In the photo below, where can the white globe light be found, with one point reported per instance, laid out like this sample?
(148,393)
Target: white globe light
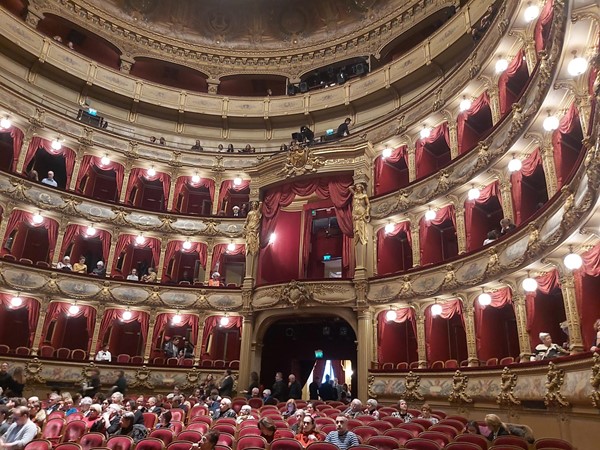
(573,261)
(501,65)
(387,152)
(105,161)
(37,218)
(16,301)
(473,194)
(272,238)
(425,132)
(176,319)
(73,309)
(90,231)
(464,104)
(531,13)
(529,284)
(127,315)
(436,309)
(391,315)
(484,299)
(514,165)
(56,145)
(224,321)
(5,123)
(139,239)
(577,66)
(230,247)
(187,245)
(237,181)
(430,215)
(389,228)
(151,172)
(551,123)
(196,178)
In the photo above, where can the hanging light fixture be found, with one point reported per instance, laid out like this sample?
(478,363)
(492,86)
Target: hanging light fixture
(531,12)
(473,193)
(16,301)
(391,315)
(5,123)
(430,215)
(529,284)
(140,239)
(425,132)
(151,171)
(90,231)
(224,321)
(37,218)
(551,122)
(436,309)
(230,247)
(573,261)
(484,299)
(73,309)
(464,104)
(105,160)
(187,244)
(176,319)
(237,181)
(196,178)
(56,145)
(515,164)
(389,228)
(577,66)
(127,315)
(501,65)
(386,153)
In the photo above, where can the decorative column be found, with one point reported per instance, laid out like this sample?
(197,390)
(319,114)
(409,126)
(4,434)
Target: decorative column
(530,54)
(215,201)
(210,245)
(99,316)
(365,346)
(584,106)
(421,347)
(110,258)
(37,340)
(452,128)
(33,16)
(245,349)
(5,215)
(521,317)
(23,152)
(126,174)
(547,154)
(468,310)
(171,199)
(198,348)
(416,242)
(567,286)
(62,225)
(507,200)
(148,346)
(494,95)
(213,85)
(161,259)
(461,230)
(412,162)
(126,63)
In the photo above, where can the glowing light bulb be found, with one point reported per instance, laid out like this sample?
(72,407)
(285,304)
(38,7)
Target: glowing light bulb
(573,261)
(56,145)
(389,228)
(16,301)
(5,123)
(151,172)
(127,315)
(387,152)
(425,132)
(139,239)
(529,284)
(436,309)
(391,315)
(91,231)
(37,218)
(577,66)
(464,104)
(105,161)
(73,309)
(237,181)
(514,165)
(196,178)
(187,245)
(484,299)
(501,65)
(531,13)
(230,247)
(551,123)
(473,194)
(224,321)
(430,215)
(176,319)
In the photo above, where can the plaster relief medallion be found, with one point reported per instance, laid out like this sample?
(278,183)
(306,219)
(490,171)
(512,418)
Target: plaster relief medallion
(382,293)
(582,189)
(143,219)
(47,198)
(225,301)
(5,185)
(293,21)
(78,288)
(22,279)
(187,225)
(266,299)
(464,169)
(96,211)
(425,190)
(129,294)
(178,298)
(218,21)
(514,251)
(430,283)
(552,224)
(472,271)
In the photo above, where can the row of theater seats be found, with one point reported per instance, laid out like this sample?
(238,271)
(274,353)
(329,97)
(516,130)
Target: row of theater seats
(449,364)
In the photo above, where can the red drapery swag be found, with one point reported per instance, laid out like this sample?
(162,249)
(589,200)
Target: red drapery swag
(590,268)
(204,182)
(529,166)
(438,132)
(176,246)
(18,216)
(112,314)
(397,154)
(125,240)
(162,320)
(90,160)
(402,315)
(546,283)
(481,101)
(220,249)
(17,137)
(449,309)
(38,142)
(33,312)
(443,214)
(137,174)
(57,308)
(500,298)
(228,185)
(398,228)
(491,190)
(544,19)
(514,66)
(213,322)
(73,231)
(566,125)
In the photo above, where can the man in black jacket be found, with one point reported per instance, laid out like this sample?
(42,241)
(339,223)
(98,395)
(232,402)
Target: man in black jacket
(294,388)
(226,387)
(279,389)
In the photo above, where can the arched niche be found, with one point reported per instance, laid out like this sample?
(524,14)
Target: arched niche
(169,74)
(254,85)
(397,339)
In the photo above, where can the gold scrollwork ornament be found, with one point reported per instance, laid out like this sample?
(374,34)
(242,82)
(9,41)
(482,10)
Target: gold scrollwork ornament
(554,381)
(459,389)
(33,371)
(300,161)
(142,378)
(296,293)
(506,397)
(595,382)
(412,385)
(192,379)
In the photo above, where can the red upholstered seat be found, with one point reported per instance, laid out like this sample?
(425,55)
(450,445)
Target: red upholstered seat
(187,362)
(424,422)
(414,428)
(150,420)
(39,444)
(4,349)
(256,402)
(164,434)
(158,361)
(492,362)
(235,364)
(201,427)
(46,351)
(507,361)
(284,433)
(395,421)
(402,366)
(63,353)
(365,419)
(74,416)
(353,423)
(422,444)
(286,444)
(451,364)
(511,440)
(448,430)
(123,358)
(176,426)
(321,446)
(120,443)
(78,354)
(206,363)
(437,365)
(172,361)
(400,435)
(180,445)
(9,257)
(365,432)
(248,423)
(328,428)
(364,447)
(441,414)
(383,442)
(92,440)
(463,446)
(137,359)
(381,425)
(56,415)
(476,439)
(248,431)
(388,366)
(226,421)
(74,429)
(201,418)
(504,447)
(440,438)
(552,443)
(224,428)
(177,415)
(457,425)
(219,363)
(53,430)
(225,439)
(68,446)
(23,351)
(150,443)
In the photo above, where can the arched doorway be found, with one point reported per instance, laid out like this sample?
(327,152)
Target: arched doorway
(290,344)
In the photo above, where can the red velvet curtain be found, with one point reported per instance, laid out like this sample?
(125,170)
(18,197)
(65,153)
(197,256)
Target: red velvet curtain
(449,309)
(220,249)
(17,137)
(466,141)
(491,190)
(18,216)
(33,312)
(177,246)
(89,160)
(162,320)
(228,185)
(402,315)
(587,303)
(514,66)
(213,322)
(543,20)
(112,314)
(428,248)
(38,142)
(57,308)
(384,256)
(566,126)
(125,240)
(138,173)
(529,166)
(546,283)
(397,154)
(500,298)
(425,165)
(204,182)
(73,231)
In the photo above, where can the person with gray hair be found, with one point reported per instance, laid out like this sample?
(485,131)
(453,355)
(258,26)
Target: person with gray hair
(372,408)
(547,349)
(224,410)
(355,409)
(244,414)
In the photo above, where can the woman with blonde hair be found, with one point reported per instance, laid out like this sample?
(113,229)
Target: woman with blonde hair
(596,341)
(496,426)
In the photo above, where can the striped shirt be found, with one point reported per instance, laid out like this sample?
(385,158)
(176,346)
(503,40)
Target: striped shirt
(342,441)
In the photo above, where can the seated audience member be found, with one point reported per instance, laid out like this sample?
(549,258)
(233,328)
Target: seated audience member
(92,387)
(133,276)
(99,270)
(220,148)
(152,407)
(244,210)
(65,264)
(128,427)
(162,141)
(224,410)
(343,128)
(236,211)
(68,406)
(197,145)
(596,339)
(307,433)
(355,409)
(371,409)
(131,406)
(283,148)
(150,277)
(311,411)
(547,349)
(84,405)
(171,347)
(18,382)
(299,415)
(215,279)
(267,429)
(80,266)
(93,416)
(403,412)
(4,424)
(491,237)
(307,134)
(53,403)
(268,399)
(153,139)
(21,432)
(104,354)
(37,413)
(506,226)
(472,427)
(208,441)
(426,414)
(49,180)
(164,420)
(496,426)
(244,414)
(341,437)
(230,148)
(33,175)
(290,408)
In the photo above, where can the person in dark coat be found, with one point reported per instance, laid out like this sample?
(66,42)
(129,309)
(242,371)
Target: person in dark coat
(327,391)
(279,389)
(226,387)
(294,388)
(313,389)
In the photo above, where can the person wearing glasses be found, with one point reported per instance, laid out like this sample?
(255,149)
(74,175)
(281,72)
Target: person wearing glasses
(307,432)
(341,437)
(208,441)
(21,432)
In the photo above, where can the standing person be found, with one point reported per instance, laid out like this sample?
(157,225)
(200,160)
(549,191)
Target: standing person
(92,387)
(294,388)
(313,389)
(341,437)
(120,383)
(226,386)
(253,384)
(279,389)
(326,390)
(5,378)
(104,354)
(596,340)
(343,128)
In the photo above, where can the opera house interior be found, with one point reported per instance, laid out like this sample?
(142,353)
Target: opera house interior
(400,194)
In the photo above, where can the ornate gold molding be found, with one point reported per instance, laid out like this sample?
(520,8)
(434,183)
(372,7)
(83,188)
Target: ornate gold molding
(506,397)
(459,389)
(554,382)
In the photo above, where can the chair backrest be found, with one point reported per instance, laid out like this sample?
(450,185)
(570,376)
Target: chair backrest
(286,444)
(150,443)
(137,359)
(507,361)
(123,358)
(424,422)
(63,353)
(448,430)
(164,434)
(492,362)
(319,445)
(224,428)
(394,421)
(552,443)
(511,440)
(176,426)
(504,447)
(248,431)
(383,442)
(56,415)
(451,364)
(235,364)
(53,428)
(381,425)
(39,444)
(4,349)
(78,354)
(24,351)
(402,365)
(47,351)
(92,440)
(201,427)
(226,421)
(180,445)
(198,410)
(74,430)
(365,419)
(206,363)
(438,412)
(414,428)
(399,435)
(172,361)
(463,446)
(177,415)
(225,439)
(150,420)
(388,366)
(436,436)
(457,422)
(437,365)
(422,444)
(120,443)
(365,432)
(476,439)
(284,433)
(68,446)
(74,416)
(201,418)
(328,428)
(219,363)
(187,362)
